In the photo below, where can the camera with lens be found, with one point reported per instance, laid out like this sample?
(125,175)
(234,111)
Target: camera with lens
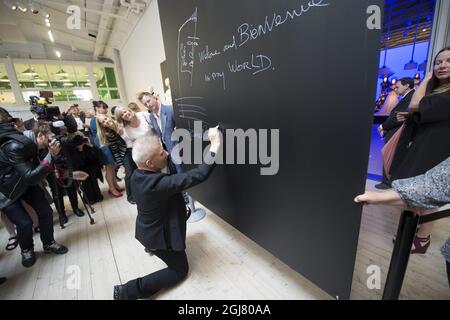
(41,108)
(70,141)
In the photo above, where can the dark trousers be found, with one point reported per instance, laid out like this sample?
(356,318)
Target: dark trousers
(91,188)
(177,269)
(17,214)
(58,194)
(448,272)
(130,166)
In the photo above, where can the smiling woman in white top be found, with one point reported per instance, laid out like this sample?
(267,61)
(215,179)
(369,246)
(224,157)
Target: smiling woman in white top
(134,126)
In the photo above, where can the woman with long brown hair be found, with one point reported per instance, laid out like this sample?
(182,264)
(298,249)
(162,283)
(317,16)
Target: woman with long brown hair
(428,140)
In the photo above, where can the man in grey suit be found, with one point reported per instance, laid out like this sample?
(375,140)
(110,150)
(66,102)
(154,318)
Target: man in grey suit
(161,219)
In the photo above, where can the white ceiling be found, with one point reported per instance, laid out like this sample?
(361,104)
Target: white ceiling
(25,35)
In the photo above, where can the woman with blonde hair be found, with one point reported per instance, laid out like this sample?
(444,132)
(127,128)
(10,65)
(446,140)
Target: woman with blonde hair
(108,133)
(135,125)
(101,108)
(134,107)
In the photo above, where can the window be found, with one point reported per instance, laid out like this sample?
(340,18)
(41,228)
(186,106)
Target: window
(6,95)
(106,83)
(68,82)
(82,76)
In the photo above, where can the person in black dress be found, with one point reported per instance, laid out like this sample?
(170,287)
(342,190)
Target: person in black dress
(425,141)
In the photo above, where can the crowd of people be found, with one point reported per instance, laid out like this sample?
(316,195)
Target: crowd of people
(53,150)
(43,158)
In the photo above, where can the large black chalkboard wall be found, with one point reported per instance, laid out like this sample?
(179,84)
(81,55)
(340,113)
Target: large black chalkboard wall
(308,69)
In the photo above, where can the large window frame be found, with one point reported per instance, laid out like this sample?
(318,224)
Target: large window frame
(80,90)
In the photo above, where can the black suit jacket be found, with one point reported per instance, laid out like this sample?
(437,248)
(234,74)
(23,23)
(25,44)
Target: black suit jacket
(391,125)
(161,219)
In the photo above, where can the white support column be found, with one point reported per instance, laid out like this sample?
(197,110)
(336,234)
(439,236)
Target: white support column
(440,36)
(9,65)
(93,81)
(119,77)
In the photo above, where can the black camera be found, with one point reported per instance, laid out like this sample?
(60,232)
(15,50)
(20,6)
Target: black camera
(70,141)
(43,111)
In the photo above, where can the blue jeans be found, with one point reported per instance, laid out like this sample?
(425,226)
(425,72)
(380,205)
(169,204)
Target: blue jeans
(17,214)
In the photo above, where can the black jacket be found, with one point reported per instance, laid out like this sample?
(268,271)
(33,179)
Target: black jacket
(391,125)
(161,219)
(19,164)
(428,142)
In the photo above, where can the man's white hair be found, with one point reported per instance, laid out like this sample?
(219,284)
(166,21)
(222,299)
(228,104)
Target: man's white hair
(144,149)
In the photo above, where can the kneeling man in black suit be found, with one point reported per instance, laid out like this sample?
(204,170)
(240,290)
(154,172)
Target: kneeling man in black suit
(161,219)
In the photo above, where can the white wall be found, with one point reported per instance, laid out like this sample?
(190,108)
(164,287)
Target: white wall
(142,55)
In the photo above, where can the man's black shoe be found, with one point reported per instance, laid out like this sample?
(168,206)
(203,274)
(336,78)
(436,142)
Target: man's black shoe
(28,258)
(118,293)
(382,186)
(63,219)
(3,280)
(188,213)
(78,212)
(55,248)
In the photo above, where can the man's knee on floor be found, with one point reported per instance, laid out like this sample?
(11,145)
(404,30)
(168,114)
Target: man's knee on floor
(183,271)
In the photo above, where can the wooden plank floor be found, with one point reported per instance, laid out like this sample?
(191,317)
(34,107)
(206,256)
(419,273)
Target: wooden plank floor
(224,264)
(426,276)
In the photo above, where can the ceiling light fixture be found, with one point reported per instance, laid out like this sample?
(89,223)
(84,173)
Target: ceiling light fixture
(34,7)
(29,72)
(61,73)
(10,5)
(50,35)
(58,54)
(48,24)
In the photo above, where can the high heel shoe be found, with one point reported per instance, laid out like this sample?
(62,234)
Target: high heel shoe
(114,195)
(419,247)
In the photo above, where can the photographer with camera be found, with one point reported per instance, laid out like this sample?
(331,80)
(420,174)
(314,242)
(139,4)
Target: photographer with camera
(21,173)
(61,179)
